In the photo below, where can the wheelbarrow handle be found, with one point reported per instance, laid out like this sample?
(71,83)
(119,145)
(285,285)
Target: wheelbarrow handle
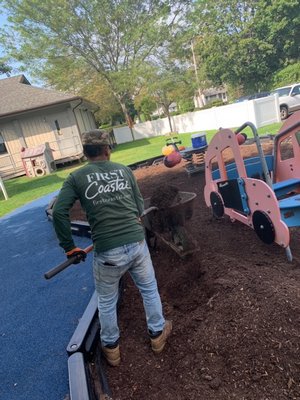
(148,210)
(54,271)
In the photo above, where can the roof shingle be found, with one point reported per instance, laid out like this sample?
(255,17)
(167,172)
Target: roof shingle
(17,95)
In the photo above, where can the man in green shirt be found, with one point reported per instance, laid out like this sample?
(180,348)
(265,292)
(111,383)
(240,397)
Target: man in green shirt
(109,194)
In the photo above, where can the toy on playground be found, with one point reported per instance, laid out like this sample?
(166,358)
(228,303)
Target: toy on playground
(172,159)
(262,192)
(241,138)
(167,150)
(171,151)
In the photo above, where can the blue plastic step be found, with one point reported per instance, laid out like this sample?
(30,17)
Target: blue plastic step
(285,187)
(290,202)
(290,210)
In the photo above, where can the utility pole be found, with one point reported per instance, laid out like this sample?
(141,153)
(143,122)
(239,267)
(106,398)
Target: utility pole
(199,97)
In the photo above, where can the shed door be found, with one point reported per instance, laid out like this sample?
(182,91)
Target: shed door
(68,141)
(10,156)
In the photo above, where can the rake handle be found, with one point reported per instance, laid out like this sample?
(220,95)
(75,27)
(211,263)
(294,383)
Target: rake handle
(56,270)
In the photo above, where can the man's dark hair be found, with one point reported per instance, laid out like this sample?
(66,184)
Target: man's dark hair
(93,150)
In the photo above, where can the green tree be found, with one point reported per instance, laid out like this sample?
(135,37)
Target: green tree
(244,43)
(4,68)
(278,22)
(113,38)
(169,85)
(77,77)
(287,75)
(145,105)
(186,105)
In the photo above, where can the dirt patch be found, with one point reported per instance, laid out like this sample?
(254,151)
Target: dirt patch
(235,307)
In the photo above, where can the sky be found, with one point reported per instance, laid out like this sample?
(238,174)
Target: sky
(3,20)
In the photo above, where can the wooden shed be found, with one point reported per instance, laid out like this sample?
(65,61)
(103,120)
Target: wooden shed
(31,116)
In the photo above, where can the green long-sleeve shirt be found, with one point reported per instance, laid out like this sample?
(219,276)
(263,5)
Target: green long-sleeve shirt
(109,194)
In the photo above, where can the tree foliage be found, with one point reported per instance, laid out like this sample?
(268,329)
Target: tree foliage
(71,76)
(113,38)
(244,43)
(117,51)
(4,68)
(287,75)
(169,85)
(145,105)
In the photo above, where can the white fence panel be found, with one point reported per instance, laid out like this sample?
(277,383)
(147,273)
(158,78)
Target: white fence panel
(234,115)
(260,112)
(264,110)
(151,128)
(122,134)
(193,121)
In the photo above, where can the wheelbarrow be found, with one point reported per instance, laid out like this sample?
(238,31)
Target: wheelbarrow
(169,223)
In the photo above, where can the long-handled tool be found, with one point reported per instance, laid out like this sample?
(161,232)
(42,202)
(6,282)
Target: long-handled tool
(54,271)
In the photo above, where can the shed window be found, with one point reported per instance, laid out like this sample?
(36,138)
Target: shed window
(57,127)
(3,149)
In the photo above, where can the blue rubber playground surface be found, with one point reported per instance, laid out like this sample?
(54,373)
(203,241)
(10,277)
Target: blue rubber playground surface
(38,316)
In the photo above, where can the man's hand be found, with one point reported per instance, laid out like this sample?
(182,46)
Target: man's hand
(78,253)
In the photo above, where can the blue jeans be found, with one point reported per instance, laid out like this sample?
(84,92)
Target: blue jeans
(109,266)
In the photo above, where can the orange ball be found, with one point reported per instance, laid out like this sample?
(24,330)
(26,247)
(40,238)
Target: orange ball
(166,150)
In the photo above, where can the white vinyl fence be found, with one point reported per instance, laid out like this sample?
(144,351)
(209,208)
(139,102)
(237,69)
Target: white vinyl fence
(260,112)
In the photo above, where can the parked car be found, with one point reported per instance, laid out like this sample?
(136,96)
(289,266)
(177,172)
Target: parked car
(252,96)
(289,99)
(241,99)
(258,95)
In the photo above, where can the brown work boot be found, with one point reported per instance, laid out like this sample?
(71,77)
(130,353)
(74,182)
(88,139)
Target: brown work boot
(112,355)
(159,342)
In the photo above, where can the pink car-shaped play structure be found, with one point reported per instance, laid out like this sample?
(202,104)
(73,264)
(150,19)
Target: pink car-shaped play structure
(262,192)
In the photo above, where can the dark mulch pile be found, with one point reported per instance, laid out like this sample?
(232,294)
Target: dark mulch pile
(163,196)
(235,308)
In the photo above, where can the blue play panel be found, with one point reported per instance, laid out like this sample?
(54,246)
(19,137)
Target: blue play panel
(38,316)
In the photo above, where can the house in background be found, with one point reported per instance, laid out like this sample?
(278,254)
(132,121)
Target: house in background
(209,95)
(160,111)
(32,116)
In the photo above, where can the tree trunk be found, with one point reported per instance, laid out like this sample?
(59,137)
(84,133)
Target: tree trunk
(170,122)
(167,112)
(199,91)
(128,118)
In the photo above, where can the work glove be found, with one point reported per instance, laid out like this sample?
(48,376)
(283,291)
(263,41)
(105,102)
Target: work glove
(78,253)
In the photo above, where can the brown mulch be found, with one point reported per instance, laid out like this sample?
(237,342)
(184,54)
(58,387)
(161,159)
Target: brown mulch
(163,196)
(235,307)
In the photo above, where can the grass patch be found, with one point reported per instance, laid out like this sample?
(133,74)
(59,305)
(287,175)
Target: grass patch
(22,190)
(151,147)
(265,130)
